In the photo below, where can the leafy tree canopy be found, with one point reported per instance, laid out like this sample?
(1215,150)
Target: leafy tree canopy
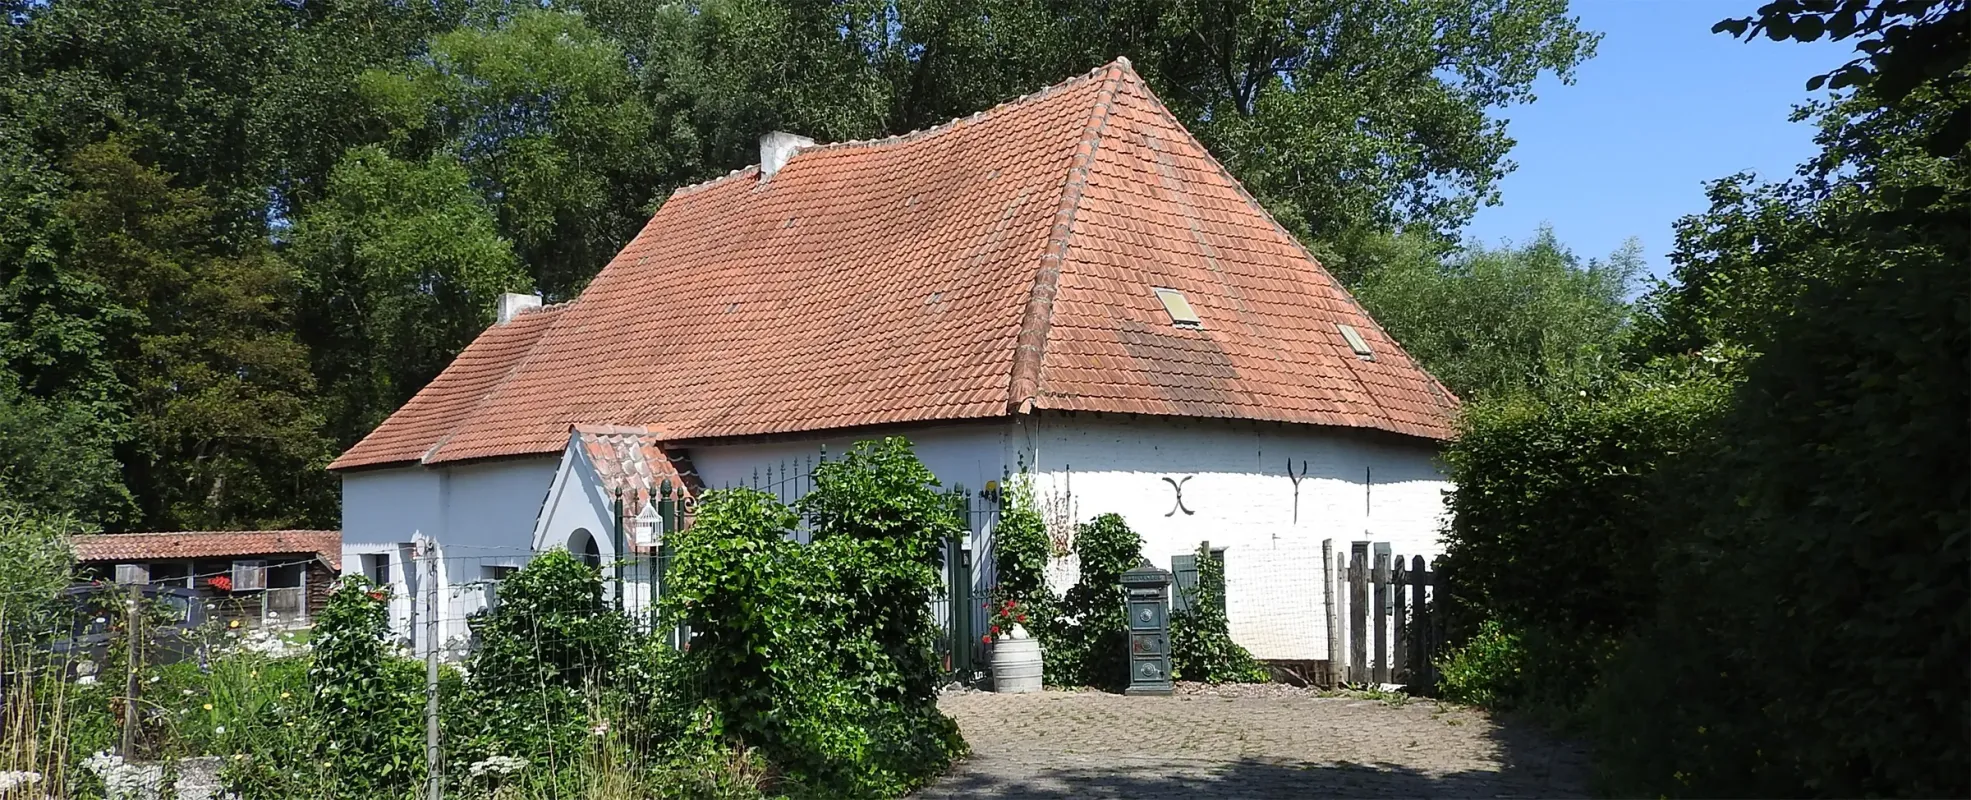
(1495,321)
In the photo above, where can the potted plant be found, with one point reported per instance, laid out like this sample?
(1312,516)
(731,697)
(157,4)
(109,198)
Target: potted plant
(1016,655)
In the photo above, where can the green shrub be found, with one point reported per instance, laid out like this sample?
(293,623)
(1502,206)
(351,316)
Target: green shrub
(368,704)
(1091,646)
(1020,552)
(1557,515)
(1811,634)
(36,563)
(1201,646)
(819,656)
(544,656)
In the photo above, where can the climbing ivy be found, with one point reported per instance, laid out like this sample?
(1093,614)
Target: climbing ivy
(1201,646)
(1091,646)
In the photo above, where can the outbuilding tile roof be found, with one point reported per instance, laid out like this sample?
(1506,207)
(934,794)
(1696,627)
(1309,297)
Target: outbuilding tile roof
(128,547)
(629,459)
(996,265)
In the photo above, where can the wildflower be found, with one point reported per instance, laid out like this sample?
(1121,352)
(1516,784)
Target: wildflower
(285,695)
(208,706)
(221,730)
(986,639)
(601,728)
(187,692)
(233,624)
(17,779)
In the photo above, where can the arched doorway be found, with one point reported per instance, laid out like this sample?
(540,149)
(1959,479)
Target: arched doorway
(583,545)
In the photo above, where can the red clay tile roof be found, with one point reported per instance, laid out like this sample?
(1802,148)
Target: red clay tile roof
(634,462)
(632,459)
(998,264)
(209,544)
(438,409)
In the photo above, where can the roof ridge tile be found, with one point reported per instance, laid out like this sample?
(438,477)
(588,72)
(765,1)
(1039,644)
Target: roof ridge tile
(1036,323)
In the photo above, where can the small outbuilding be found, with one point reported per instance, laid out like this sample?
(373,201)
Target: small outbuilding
(276,578)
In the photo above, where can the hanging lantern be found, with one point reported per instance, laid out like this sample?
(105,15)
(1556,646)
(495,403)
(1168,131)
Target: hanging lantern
(648,526)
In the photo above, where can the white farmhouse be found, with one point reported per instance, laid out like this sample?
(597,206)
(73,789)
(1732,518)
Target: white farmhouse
(1067,284)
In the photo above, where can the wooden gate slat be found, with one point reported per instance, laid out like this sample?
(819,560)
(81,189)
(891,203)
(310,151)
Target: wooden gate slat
(1399,661)
(1380,669)
(1358,613)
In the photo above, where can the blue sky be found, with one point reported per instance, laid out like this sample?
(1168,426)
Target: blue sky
(1665,106)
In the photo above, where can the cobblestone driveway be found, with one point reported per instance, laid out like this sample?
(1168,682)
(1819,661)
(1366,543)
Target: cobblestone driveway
(1290,745)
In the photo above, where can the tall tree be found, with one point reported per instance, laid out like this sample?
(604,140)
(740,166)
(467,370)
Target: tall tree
(403,264)
(1494,321)
(1344,118)
(544,114)
(220,430)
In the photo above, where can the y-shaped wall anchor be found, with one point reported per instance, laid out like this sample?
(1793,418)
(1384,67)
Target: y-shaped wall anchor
(1296,486)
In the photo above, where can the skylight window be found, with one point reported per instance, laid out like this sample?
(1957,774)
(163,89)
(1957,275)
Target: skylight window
(1179,309)
(1355,342)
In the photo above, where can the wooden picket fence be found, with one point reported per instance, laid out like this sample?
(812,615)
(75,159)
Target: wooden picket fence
(1381,625)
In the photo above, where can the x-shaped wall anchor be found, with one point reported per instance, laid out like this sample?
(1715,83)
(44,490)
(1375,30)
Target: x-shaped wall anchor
(1178,486)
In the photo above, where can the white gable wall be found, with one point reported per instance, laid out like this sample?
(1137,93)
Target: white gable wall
(1236,484)
(477,515)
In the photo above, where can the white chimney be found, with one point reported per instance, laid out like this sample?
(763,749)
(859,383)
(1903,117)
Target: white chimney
(776,148)
(512,304)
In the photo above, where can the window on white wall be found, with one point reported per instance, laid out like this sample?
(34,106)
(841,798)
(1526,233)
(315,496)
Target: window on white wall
(376,567)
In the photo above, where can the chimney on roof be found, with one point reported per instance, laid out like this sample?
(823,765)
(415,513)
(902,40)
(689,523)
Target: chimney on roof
(776,148)
(512,304)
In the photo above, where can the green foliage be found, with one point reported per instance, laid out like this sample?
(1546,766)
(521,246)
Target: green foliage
(821,655)
(1555,512)
(1492,322)
(542,656)
(544,112)
(404,266)
(55,459)
(881,523)
(1090,647)
(1506,666)
(1812,522)
(36,563)
(1201,646)
(369,704)
(1021,550)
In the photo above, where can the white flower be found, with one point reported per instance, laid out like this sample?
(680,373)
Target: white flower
(17,779)
(497,765)
(86,680)
(601,728)
(221,730)
(186,692)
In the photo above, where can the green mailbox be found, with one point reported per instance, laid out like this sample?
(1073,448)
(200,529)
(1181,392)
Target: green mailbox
(1148,589)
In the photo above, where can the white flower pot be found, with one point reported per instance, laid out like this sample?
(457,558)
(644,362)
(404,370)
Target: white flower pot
(1016,666)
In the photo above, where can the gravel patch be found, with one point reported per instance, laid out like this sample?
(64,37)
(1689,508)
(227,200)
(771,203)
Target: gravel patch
(1246,741)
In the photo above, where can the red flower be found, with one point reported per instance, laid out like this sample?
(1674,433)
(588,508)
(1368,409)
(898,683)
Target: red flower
(1022,618)
(222,583)
(986,639)
(995,630)
(377,596)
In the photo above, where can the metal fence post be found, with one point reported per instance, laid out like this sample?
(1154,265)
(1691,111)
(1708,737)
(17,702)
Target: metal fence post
(436,784)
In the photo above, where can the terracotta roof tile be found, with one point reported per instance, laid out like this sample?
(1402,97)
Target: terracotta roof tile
(1001,262)
(438,409)
(209,544)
